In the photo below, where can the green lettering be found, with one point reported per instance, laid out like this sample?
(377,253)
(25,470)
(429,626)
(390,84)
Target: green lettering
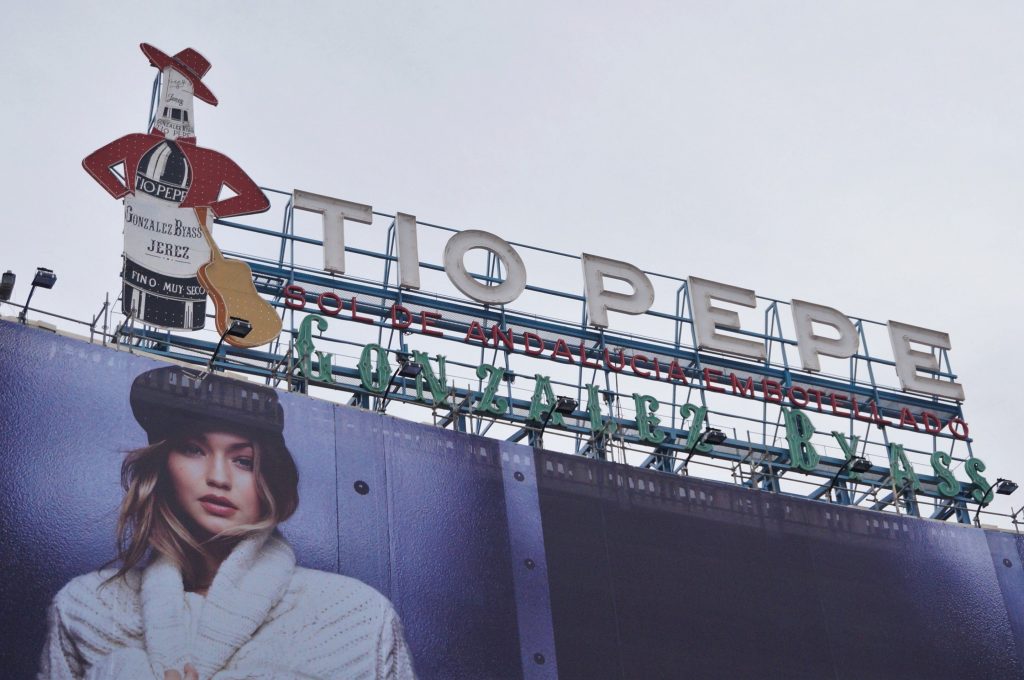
(799,429)
(598,426)
(849,451)
(699,413)
(646,422)
(379,380)
(948,486)
(488,403)
(538,408)
(437,384)
(983,492)
(901,469)
(304,351)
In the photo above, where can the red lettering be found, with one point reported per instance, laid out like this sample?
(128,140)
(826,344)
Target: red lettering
(875,415)
(833,399)
(425,324)
(817,394)
(406,322)
(953,430)
(609,364)
(791,393)
(324,309)
(294,296)
(856,410)
(709,383)
(657,369)
(476,332)
(355,311)
(507,338)
(931,422)
(907,418)
(586,363)
(632,364)
(561,349)
(676,372)
(742,388)
(772,391)
(532,351)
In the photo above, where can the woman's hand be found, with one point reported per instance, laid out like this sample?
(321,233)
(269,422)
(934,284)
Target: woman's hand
(190,673)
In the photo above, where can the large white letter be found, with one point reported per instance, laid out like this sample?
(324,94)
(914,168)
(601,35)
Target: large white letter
(810,344)
(707,318)
(599,300)
(910,361)
(455,267)
(334,211)
(408,251)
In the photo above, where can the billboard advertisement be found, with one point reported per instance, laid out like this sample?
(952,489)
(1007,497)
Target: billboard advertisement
(288,537)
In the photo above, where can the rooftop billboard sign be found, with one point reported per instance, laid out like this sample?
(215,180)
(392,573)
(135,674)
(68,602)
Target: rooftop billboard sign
(649,357)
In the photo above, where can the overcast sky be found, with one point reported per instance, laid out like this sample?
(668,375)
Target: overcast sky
(862,155)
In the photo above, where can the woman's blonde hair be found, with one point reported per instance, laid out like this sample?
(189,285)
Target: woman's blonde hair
(149,518)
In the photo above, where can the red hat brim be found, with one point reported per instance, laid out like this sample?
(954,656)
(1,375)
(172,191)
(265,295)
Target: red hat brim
(162,60)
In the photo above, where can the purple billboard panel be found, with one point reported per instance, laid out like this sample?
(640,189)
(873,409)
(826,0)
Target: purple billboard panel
(392,506)
(653,575)
(414,549)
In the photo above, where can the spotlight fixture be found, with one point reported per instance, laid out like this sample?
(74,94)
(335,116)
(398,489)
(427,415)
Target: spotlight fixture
(712,436)
(564,406)
(44,278)
(861,465)
(7,285)
(856,464)
(1003,487)
(407,368)
(237,328)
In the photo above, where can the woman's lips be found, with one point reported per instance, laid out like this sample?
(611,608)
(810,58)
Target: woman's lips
(216,505)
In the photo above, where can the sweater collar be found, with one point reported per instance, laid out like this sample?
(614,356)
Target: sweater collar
(248,584)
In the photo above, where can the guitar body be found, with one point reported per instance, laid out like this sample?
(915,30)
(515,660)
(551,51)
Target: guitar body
(229,284)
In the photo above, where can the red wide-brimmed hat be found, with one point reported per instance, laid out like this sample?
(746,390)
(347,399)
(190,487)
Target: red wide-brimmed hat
(189,63)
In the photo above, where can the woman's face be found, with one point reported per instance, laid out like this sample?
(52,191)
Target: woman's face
(213,480)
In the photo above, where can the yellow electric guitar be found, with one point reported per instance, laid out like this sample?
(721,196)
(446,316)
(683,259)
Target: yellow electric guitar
(229,284)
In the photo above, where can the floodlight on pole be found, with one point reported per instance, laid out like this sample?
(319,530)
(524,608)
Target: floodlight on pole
(1003,487)
(562,405)
(44,278)
(712,437)
(237,328)
(407,369)
(856,464)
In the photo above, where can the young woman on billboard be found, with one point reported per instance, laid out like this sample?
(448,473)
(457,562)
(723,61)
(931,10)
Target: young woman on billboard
(206,587)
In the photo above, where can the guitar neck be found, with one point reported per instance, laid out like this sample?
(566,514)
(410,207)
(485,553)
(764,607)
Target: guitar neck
(215,253)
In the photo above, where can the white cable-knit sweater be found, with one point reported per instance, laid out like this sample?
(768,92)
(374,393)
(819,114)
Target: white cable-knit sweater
(262,618)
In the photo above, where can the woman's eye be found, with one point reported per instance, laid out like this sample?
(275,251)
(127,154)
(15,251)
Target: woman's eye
(191,450)
(244,463)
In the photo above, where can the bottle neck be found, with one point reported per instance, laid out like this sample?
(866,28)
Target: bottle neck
(175,117)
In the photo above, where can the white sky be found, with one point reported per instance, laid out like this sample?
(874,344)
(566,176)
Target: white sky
(862,155)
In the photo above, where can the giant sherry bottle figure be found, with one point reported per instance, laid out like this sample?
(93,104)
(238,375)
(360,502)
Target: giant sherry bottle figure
(167,175)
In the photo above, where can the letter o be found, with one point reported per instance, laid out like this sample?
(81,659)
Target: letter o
(329,311)
(958,432)
(455,267)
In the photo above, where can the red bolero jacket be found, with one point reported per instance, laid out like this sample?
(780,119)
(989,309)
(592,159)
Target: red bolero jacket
(211,171)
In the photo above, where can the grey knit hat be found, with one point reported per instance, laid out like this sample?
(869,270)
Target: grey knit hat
(172,400)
